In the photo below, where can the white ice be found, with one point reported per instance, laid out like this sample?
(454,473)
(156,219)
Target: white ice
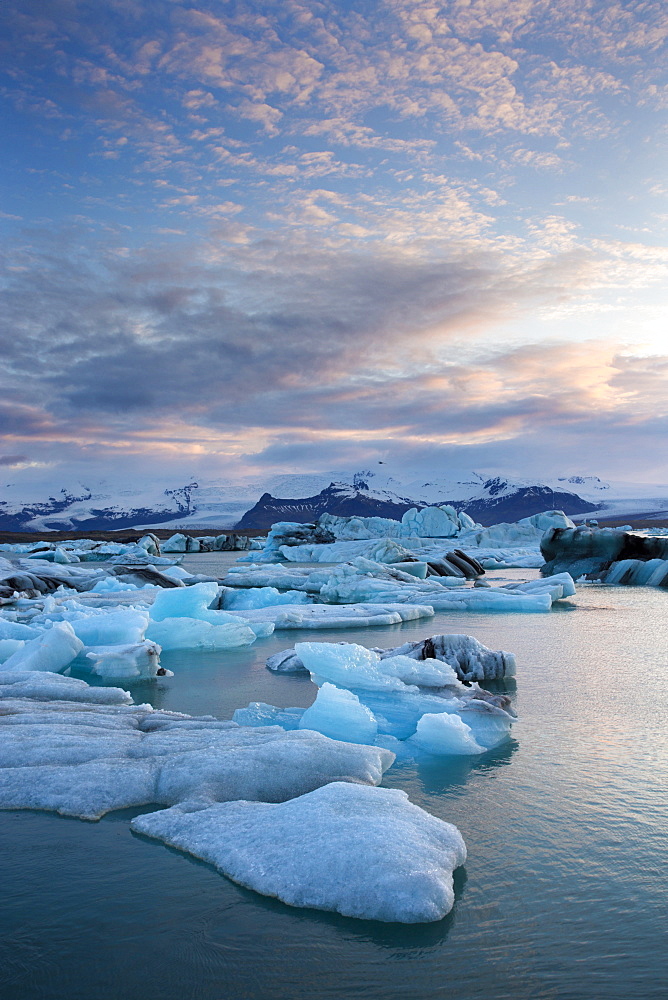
(85,759)
(358,851)
(125,662)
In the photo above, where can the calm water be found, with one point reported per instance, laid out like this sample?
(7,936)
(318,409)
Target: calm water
(563,896)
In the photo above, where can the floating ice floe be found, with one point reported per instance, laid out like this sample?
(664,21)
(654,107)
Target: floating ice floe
(126,662)
(361,852)
(84,751)
(363,581)
(366,696)
(469,658)
(314,616)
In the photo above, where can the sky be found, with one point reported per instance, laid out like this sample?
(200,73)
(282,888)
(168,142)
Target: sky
(249,238)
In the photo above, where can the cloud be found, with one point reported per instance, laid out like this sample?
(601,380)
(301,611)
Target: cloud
(386,226)
(288,344)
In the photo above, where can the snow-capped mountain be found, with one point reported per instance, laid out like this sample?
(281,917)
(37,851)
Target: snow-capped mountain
(488,501)
(213,503)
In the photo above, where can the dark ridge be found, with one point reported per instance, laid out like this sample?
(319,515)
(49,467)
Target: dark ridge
(331,500)
(523,503)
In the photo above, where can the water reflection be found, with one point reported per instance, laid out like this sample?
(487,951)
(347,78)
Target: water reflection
(249,905)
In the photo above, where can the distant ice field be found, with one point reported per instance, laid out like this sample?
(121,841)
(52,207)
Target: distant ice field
(562,896)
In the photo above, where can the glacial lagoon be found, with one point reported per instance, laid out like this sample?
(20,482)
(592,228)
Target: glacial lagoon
(562,897)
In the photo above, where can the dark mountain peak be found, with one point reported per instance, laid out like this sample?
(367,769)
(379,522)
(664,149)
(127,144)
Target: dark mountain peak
(495,486)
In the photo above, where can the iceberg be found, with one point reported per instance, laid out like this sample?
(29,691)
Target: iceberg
(611,555)
(53,651)
(398,690)
(192,633)
(339,714)
(636,572)
(183,619)
(358,851)
(126,662)
(86,758)
(469,659)
(445,734)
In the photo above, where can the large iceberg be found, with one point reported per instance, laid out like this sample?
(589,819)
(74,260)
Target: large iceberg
(392,693)
(364,581)
(591,551)
(362,852)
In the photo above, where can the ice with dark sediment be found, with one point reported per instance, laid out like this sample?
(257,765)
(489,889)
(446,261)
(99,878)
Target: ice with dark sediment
(591,551)
(365,695)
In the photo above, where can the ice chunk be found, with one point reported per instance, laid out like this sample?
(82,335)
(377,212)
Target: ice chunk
(445,734)
(431,522)
(10,646)
(261,597)
(258,713)
(192,633)
(79,768)
(286,662)
(346,665)
(53,650)
(470,659)
(126,626)
(186,602)
(361,852)
(636,572)
(22,685)
(429,673)
(476,727)
(382,550)
(340,715)
(126,662)
(16,630)
(112,585)
(315,616)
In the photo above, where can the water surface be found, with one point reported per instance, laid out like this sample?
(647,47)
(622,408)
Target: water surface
(563,895)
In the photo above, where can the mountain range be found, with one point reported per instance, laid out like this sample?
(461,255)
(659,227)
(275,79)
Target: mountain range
(213,504)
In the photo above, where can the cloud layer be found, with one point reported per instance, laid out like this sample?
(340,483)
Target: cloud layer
(303,235)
